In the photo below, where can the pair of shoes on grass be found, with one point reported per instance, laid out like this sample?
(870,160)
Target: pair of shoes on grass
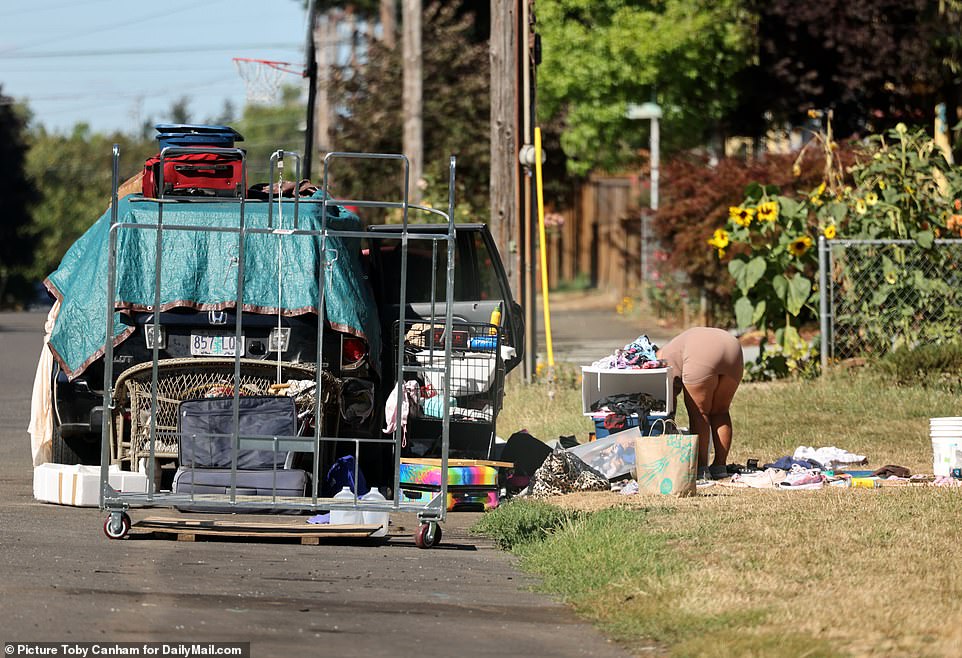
(713,473)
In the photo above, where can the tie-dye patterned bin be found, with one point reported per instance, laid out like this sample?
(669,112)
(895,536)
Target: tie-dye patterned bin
(469,487)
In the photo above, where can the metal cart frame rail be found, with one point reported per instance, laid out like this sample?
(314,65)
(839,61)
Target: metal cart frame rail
(430,515)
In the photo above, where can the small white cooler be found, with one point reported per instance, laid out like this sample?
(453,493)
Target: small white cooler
(79,485)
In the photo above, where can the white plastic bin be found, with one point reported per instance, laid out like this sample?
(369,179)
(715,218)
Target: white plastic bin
(79,485)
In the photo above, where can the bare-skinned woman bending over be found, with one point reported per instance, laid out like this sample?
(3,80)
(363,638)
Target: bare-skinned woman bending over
(707,365)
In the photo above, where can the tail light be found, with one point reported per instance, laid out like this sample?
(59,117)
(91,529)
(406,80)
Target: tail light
(352,350)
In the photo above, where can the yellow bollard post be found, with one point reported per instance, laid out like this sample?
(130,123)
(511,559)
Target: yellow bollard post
(543,247)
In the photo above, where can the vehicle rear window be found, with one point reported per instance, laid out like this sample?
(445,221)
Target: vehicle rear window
(427,262)
(488,287)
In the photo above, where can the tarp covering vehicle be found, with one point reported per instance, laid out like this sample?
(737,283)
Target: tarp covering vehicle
(200,272)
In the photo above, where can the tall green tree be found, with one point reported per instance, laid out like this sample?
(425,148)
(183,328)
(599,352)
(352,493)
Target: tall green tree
(17,194)
(268,128)
(600,55)
(456,112)
(73,175)
(874,62)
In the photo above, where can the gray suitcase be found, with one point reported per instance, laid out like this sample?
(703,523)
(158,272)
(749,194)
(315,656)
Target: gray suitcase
(205,428)
(288,482)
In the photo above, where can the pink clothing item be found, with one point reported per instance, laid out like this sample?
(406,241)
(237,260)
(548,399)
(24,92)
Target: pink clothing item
(412,397)
(700,353)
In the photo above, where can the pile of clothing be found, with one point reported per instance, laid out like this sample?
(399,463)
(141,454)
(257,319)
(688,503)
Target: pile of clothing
(640,353)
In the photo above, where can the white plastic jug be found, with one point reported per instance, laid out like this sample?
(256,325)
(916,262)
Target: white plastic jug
(345,516)
(371,517)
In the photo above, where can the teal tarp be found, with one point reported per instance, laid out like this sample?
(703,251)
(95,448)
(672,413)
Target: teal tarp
(199,270)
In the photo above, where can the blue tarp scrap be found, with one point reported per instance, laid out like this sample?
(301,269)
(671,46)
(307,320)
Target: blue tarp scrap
(199,270)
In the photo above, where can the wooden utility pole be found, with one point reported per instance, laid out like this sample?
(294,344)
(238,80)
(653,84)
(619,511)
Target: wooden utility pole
(325,35)
(413,143)
(388,9)
(311,73)
(504,136)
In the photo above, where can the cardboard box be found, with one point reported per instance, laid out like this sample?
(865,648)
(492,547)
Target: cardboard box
(79,485)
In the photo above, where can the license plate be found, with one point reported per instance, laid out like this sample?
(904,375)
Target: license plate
(208,345)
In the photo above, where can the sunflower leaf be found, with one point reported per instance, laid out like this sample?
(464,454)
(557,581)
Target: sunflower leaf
(780,285)
(746,275)
(789,207)
(837,211)
(743,312)
(799,288)
(789,338)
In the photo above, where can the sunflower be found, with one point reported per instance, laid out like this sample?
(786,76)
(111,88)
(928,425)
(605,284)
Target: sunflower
(799,246)
(768,211)
(860,207)
(816,197)
(741,216)
(871,199)
(719,241)
(830,232)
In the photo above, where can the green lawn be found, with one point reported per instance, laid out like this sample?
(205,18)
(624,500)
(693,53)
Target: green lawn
(732,572)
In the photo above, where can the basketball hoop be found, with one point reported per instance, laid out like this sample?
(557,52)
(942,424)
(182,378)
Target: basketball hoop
(262,77)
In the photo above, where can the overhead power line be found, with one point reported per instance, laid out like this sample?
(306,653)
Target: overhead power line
(148,51)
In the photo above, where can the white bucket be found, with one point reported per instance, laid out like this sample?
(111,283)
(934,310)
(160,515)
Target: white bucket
(945,454)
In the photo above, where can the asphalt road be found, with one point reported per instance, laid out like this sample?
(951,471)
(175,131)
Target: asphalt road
(585,328)
(62,580)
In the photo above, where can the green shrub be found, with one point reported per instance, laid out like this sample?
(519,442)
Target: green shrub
(521,522)
(925,365)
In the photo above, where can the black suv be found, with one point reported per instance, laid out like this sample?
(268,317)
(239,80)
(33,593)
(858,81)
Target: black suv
(480,286)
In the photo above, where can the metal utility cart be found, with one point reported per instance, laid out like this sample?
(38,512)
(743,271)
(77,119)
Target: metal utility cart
(142,405)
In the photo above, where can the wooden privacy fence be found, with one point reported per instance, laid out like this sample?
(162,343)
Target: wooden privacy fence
(600,236)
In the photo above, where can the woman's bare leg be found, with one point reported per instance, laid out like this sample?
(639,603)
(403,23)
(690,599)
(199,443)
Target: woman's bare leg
(698,401)
(720,419)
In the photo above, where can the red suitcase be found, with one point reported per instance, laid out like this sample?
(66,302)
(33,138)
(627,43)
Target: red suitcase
(196,174)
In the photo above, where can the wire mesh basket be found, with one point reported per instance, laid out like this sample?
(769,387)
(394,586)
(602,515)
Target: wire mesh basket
(476,385)
(189,379)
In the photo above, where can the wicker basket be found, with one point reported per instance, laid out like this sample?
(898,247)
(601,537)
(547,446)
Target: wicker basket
(190,379)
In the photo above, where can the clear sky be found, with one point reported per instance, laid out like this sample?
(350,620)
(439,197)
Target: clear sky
(116,63)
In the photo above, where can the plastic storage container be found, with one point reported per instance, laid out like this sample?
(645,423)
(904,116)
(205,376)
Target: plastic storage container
(346,516)
(601,431)
(649,427)
(370,517)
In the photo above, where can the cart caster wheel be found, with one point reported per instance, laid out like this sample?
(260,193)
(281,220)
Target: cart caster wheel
(428,535)
(116,526)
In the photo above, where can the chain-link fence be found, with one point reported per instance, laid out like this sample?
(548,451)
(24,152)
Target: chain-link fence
(877,295)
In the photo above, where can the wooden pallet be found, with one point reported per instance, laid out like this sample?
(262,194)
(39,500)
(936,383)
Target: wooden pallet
(306,533)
